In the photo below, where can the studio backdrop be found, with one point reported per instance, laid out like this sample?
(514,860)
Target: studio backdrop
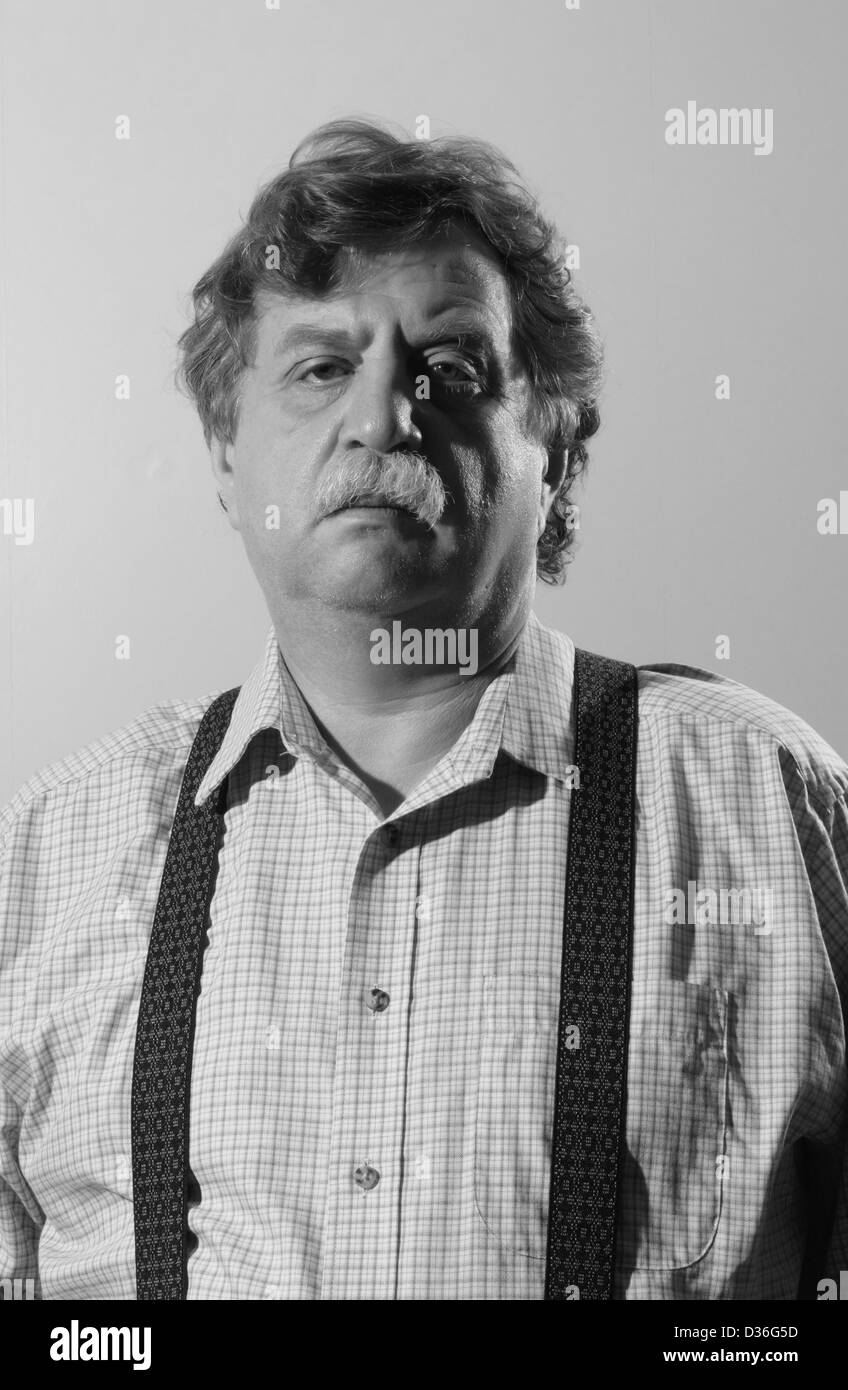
(692,154)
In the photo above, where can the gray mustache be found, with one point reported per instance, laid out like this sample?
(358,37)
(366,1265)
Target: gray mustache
(401,480)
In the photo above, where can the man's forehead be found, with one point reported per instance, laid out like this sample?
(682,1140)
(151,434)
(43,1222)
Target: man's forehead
(435,275)
(458,258)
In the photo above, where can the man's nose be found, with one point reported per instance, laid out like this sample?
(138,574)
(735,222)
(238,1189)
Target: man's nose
(379,407)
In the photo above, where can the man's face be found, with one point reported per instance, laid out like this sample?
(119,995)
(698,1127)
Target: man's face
(336,383)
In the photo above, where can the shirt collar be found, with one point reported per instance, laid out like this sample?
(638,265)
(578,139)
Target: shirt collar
(526,711)
(537,724)
(269,699)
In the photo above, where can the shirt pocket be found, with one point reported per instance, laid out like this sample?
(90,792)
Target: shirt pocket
(672,1174)
(674,1169)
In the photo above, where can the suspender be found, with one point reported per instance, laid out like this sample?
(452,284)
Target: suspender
(588,1124)
(589,1104)
(165,1029)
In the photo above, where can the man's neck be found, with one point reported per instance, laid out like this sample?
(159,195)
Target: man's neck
(390,724)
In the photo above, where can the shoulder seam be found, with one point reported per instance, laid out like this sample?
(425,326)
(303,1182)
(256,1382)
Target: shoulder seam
(106,761)
(830,784)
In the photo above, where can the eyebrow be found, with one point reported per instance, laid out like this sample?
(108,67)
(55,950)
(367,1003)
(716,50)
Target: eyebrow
(459,325)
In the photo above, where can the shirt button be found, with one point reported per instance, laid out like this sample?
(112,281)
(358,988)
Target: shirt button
(390,834)
(366,1177)
(377,1000)
(424,909)
(123,1171)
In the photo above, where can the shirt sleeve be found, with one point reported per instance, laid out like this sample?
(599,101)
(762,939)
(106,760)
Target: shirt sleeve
(20,1216)
(821,820)
(20,1222)
(837,896)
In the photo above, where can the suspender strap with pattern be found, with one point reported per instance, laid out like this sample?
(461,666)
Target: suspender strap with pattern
(165,1029)
(588,1129)
(591,1067)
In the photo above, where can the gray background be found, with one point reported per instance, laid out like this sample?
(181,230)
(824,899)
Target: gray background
(699,516)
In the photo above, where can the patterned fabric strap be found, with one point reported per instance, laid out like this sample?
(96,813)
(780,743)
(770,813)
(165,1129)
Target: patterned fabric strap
(165,1029)
(589,1106)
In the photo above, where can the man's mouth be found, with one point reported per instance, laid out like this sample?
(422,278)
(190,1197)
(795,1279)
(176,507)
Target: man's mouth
(382,503)
(405,514)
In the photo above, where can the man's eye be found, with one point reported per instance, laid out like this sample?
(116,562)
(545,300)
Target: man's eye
(467,383)
(456,377)
(320,367)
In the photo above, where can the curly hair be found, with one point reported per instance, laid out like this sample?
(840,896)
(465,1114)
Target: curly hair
(352,187)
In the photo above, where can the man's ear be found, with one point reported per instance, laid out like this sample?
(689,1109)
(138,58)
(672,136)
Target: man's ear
(552,477)
(222,456)
(555,469)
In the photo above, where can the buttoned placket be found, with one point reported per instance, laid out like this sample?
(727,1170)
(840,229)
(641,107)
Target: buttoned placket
(362,1225)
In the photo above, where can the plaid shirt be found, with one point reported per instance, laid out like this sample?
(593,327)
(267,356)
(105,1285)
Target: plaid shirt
(376,1030)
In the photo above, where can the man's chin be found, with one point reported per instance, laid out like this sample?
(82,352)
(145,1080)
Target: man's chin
(374,579)
(373,596)
(369,564)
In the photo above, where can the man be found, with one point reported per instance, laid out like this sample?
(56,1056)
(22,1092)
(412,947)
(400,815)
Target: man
(396,382)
